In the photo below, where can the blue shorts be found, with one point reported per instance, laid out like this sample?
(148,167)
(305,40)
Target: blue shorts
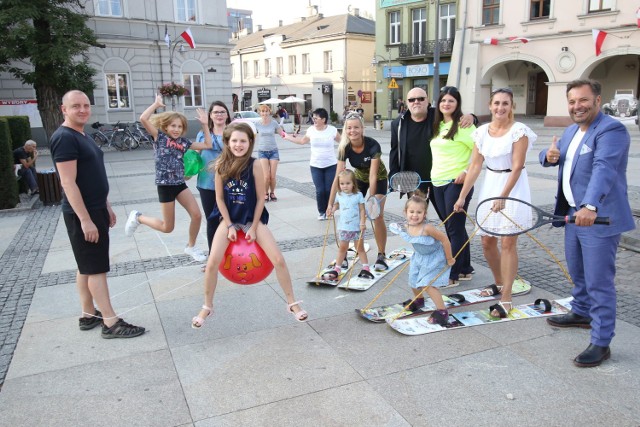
(269,155)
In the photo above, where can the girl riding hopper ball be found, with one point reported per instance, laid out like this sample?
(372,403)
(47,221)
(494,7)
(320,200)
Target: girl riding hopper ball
(245,263)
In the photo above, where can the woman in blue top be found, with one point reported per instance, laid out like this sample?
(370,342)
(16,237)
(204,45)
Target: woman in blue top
(268,155)
(218,120)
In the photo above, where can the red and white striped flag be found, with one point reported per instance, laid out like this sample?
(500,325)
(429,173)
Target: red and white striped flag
(598,39)
(188,37)
(519,39)
(491,40)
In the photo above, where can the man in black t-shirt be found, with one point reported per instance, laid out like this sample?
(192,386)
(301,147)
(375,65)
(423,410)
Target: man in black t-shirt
(87,215)
(26,157)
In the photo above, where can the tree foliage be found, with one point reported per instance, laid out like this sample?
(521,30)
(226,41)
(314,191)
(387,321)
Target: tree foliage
(44,44)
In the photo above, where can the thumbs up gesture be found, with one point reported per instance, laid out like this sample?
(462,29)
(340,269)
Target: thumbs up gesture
(553,153)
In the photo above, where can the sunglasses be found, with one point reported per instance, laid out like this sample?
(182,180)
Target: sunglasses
(448,89)
(417,99)
(353,115)
(218,113)
(503,90)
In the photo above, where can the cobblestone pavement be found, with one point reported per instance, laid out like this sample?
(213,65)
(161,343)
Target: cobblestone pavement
(22,262)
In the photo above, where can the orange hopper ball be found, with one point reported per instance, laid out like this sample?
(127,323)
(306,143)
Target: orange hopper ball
(245,263)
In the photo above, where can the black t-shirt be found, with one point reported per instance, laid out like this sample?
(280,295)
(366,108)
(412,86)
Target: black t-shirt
(20,154)
(68,144)
(418,155)
(361,162)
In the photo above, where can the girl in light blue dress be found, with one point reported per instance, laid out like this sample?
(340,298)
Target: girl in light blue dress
(432,252)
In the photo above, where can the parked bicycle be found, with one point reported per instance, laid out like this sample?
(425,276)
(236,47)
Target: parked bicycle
(109,137)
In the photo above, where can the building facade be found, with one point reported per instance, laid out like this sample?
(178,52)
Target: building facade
(136,59)
(534,47)
(325,61)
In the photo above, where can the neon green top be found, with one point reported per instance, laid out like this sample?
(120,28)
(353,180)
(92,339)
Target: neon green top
(450,157)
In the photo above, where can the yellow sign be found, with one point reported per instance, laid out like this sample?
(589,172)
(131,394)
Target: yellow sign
(393,84)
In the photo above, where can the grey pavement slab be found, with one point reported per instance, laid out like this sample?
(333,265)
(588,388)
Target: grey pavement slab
(253,364)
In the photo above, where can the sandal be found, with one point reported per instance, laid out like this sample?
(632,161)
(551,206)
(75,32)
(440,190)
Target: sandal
(365,274)
(301,316)
(500,310)
(197,322)
(266,197)
(439,317)
(465,277)
(380,264)
(491,290)
(273,197)
(330,275)
(452,283)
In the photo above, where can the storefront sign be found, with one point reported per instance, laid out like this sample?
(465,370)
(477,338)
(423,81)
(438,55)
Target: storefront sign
(366,97)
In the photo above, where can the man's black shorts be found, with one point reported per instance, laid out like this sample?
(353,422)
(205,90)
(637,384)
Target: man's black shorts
(92,258)
(169,193)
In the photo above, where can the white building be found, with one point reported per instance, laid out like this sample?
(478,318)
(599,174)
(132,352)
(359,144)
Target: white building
(323,60)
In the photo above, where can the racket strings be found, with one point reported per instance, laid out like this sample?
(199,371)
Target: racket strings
(405,182)
(506,217)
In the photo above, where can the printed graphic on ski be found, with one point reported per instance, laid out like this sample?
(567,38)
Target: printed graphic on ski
(466,319)
(458,299)
(352,257)
(393,260)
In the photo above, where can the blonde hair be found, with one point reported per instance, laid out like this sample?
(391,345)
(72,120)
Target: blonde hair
(264,107)
(344,139)
(163,120)
(228,164)
(419,198)
(352,176)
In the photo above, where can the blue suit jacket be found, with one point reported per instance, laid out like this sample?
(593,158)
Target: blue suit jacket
(598,174)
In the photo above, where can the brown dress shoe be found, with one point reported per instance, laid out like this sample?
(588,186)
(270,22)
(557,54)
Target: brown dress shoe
(570,320)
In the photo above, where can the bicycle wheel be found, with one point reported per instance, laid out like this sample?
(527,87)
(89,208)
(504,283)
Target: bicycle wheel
(131,143)
(118,141)
(99,138)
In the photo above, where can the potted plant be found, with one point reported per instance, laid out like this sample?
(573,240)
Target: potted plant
(172,89)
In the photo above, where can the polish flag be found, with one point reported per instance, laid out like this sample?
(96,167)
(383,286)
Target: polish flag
(598,39)
(491,40)
(519,39)
(188,37)
(638,17)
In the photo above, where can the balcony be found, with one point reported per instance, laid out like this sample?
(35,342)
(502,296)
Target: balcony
(419,49)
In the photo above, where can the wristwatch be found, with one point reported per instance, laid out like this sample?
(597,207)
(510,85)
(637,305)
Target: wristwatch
(590,207)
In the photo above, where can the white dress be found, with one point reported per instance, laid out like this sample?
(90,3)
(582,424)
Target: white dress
(497,156)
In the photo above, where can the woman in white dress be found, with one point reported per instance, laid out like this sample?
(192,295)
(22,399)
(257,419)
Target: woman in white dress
(503,145)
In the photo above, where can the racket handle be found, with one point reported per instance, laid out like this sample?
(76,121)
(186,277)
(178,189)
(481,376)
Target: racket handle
(604,220)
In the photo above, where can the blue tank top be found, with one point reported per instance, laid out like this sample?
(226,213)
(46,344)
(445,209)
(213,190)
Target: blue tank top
(240,198)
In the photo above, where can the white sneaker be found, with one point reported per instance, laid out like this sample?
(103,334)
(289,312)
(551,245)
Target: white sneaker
(322,217)
(195,253)
(132,223)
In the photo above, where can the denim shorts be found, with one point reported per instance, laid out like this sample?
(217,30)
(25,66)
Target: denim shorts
(269,155)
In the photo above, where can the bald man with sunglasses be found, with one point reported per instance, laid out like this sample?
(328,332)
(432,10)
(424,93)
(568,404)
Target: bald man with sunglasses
(411,139)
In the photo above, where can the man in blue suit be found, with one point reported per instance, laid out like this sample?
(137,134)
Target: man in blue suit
(592,155)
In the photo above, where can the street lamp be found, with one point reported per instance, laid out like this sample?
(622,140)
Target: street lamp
(172,50)
(374,63)
(436,53)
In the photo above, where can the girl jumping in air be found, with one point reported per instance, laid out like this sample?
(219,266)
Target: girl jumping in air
(432,252)
(167,130)
(351,224)
(240,205)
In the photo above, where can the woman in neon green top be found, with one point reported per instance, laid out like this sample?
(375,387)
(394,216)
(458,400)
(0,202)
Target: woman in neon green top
(451,148)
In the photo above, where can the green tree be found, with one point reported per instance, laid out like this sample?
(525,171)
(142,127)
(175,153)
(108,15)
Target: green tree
(44,44)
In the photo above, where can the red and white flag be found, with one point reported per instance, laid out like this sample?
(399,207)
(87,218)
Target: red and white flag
(598,39)
(188,37)
(519,39)
(167,39)
(638,17)
(491,40)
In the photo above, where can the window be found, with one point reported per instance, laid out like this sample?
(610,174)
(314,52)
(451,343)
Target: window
(193,82)
(279,66)
(186,10)
(118,91)
(600,5)
(109,7)
(540,9)
(306,64)
(267,67)
(328,61)
(419,25)
(447,21)
(245,68)
(490,12)
(394,27)
(256,68)
(292,64)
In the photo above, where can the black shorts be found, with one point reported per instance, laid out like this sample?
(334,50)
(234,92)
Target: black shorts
(92,258)
(381,187)
(169,193)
